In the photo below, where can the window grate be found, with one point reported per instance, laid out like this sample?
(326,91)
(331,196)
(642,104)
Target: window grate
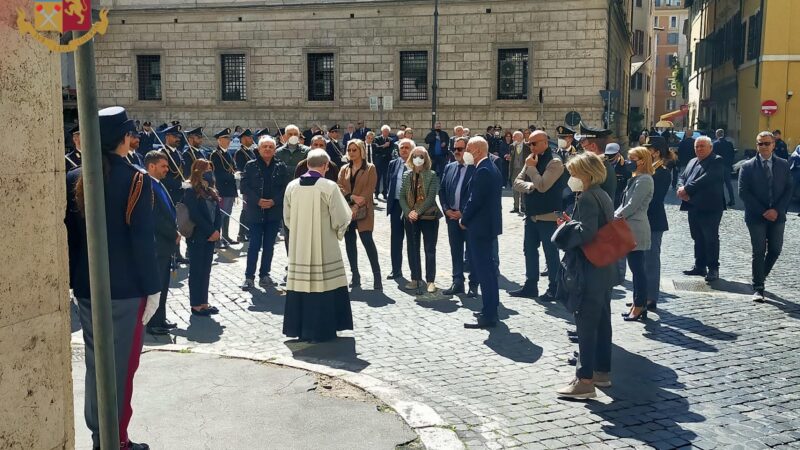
(414,75)
(148,69)
(234,77)
(320,77)
(512,74)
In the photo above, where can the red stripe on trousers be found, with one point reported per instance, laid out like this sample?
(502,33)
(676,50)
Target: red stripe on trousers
(133,364)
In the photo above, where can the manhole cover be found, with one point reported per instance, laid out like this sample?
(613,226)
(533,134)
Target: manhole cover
(692,285)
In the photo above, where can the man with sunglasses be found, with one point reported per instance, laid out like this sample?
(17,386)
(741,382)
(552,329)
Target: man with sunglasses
(701,193)
(765,187)
(453,193)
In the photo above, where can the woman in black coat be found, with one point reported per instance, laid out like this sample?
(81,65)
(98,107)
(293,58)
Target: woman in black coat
(202,201)
(593,209)
(657,217)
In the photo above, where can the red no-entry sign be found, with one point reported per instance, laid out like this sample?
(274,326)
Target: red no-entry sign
(769,107)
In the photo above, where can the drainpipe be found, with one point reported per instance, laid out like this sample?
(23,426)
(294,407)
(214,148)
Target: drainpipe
(606,122)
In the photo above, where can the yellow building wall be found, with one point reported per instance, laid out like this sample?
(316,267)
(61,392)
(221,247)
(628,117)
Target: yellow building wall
(779,74)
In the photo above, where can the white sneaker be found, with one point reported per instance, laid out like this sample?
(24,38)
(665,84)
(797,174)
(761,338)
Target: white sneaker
(431,288)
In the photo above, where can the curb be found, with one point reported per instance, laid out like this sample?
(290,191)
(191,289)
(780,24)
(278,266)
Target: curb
(432,430)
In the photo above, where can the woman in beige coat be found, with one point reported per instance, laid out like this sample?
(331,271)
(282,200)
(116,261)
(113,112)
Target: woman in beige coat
(357,180)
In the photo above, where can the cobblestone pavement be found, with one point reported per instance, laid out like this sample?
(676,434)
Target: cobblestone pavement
(710,369)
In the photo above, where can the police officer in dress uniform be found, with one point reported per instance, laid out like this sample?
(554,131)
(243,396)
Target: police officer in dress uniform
(147,137)
(335,148)
(243,155)
(134,157)
(134,280)
(193,150)
(73,157)
(174,179)
(225,175)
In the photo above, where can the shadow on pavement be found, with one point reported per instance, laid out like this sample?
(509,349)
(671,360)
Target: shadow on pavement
(507,285)
(442,305)
(791,308)
(374,299)
(339,353)
(476,304)
(695,326)
(660,332)
(513,346)
(203,330)
(647,405)
(734,287)
(269,300)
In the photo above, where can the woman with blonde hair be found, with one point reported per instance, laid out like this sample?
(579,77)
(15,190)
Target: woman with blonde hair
(593,209)
(421,216)
(633,208)
(357,181)
(203,202)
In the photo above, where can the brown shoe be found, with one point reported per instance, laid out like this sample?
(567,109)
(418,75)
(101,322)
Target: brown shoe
(577,389)
(601,379)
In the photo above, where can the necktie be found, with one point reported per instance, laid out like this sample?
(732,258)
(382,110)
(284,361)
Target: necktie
(369,153)
(768,174)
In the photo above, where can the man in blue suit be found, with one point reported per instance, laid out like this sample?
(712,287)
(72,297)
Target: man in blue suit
(394,180)
(700,191)
(453,194)
(483,221)
(765,187)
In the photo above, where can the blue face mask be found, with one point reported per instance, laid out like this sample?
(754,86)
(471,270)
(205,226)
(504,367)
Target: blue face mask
(209,178)
(630,165)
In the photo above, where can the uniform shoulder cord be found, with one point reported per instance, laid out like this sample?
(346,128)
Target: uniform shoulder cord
(225,164)
(133,195)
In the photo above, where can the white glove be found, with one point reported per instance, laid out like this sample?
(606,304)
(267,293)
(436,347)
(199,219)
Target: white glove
(151,307)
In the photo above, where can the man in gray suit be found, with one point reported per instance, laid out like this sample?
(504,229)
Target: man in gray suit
(765,187)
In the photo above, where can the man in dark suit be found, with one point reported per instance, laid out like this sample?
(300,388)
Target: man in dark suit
(437,140)
(453,194)
(167,237)
(483,221)
(685,154)
(394,180)
(349,135)
(147,137)
(361,131)
(781,149)
(700,191)
(384,149)
(724,148)
(335,148)
(765,187)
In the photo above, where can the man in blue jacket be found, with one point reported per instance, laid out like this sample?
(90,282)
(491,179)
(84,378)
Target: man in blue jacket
(394,180)
(453,193)
(765,187)
(483,221)
(700,191)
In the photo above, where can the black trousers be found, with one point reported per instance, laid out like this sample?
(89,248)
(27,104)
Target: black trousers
(704,228)
(352,250)
(202,254)
(458,242)
(636,263)
(382,168)
(160,316)
(766,238)
(243,232)
(439,161)
(397,230)
(726,179)
(427,230)
(593,320)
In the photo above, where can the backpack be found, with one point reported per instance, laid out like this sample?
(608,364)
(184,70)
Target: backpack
(185,224)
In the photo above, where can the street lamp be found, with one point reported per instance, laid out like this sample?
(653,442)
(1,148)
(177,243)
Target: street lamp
(435,58)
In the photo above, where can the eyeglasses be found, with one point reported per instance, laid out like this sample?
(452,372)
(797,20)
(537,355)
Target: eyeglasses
(764,144)
(459,149)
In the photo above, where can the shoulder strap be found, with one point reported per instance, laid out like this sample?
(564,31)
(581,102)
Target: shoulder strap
(133,195)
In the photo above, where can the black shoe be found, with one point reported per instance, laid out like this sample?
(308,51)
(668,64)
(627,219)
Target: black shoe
(573,360)
(473,291)
(713,275)
(515,210)
(731,203)
(544,273)
(456,288)
(182,260)
(230,240)
(642,316)
(135,446)
(481,323)
(158,331)
(652,306)
(377,284)
(573,339)
(202,312)
(213,309)
(169,325)
(694,271)
(572,333)
(524,292)
(547,297)
(355,281)
(394,275)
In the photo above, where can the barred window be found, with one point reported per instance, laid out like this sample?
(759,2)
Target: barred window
(148,69)
(754,37)
(320,77)
(234,77)
(414,75)
(512,74)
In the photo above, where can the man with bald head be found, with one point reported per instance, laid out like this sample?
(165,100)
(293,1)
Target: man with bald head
(542,183)
(483,220)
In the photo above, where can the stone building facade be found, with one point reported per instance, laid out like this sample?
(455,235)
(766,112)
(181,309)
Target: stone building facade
(36,409)
(216,63)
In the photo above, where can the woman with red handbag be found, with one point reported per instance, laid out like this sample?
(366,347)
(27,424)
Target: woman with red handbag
(593,209)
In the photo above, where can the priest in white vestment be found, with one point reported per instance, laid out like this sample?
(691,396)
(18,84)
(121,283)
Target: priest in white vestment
(317,216)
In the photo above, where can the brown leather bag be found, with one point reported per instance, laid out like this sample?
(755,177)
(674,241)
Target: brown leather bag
(612,242)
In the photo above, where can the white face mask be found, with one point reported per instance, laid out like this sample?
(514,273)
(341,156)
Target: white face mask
(418,162)
(562,143)
(469,159)
(575,184)
(294,140)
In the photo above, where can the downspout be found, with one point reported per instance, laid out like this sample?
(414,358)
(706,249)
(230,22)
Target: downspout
(761,41)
